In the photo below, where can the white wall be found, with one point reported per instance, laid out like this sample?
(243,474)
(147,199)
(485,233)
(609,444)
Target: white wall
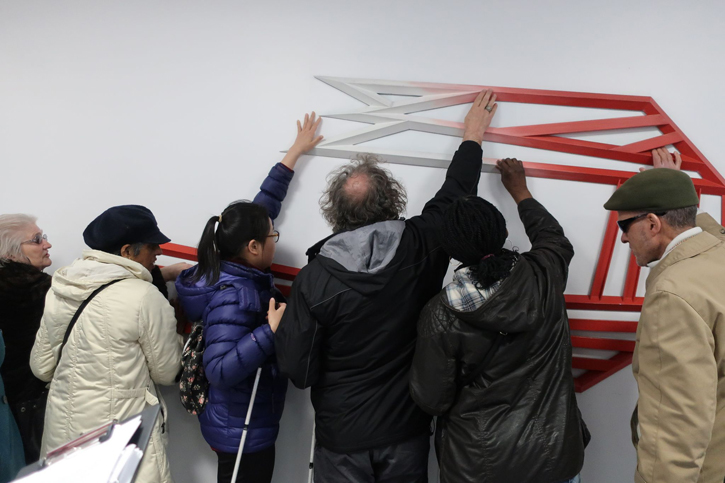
(183,106)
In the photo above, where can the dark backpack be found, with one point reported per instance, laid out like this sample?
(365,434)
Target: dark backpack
(193,385)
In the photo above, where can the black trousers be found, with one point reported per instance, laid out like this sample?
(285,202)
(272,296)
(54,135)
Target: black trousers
(254,467)
(405,462)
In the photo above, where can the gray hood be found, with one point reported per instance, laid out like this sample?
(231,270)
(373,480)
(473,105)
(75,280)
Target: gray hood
(368,249)
(363,258)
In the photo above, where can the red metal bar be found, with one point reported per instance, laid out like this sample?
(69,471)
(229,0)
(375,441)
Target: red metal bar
(591,364)
(632,279)
(590,378)
(601,176)
(686,146)
(585,126)
(585,302)
(586,148)
(282,272)
(605,256)
(591,325)
(688,163)
(179,251)
(552,143)
(650,144)
(602,344)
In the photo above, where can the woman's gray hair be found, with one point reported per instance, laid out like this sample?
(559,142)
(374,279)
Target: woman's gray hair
(11,234)
(379,197)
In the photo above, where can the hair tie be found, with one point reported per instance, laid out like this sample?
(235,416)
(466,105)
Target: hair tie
(220,219)
(487,256)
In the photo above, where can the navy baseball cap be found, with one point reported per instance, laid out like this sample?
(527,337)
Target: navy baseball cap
(123,225)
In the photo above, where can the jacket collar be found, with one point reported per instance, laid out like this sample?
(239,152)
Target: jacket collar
(135,268)
(689,248)
(675,242)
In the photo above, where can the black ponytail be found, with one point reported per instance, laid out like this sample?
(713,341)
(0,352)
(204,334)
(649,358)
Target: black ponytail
(239,223)
(473,232)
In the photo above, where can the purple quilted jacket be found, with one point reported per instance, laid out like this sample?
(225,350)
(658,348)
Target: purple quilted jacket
(238,341)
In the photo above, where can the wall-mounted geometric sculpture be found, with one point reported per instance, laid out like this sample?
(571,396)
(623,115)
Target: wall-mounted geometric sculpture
(386,117)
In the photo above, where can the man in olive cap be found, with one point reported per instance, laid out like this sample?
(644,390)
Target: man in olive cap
(679,357)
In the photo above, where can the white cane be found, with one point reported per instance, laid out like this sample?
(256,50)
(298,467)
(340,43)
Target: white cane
(246,425)
(312,455)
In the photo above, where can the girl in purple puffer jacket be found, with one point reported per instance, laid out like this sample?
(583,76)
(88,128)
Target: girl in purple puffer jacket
(230,291)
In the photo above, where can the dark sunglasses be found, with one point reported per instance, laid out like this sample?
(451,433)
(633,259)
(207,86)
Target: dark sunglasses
(625,224)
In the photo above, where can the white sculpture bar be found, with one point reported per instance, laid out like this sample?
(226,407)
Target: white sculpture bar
(391,117)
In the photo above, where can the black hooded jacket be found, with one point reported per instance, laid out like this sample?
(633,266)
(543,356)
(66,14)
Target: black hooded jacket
(518,421)
(350,325)
(22,299)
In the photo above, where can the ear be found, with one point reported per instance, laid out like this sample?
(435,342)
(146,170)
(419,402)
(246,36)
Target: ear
(126,251)
(655,223)
(254,247)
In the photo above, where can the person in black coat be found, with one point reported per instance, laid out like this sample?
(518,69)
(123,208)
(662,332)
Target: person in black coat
(23,285)
(493,355)
(349,327)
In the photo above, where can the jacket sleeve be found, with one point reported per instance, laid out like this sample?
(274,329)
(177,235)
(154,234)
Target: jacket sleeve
(274,189)
(549,245)
(159,341)
(233,350)
(42,358)
(461,179)
(299,341)
(677,380)
(434,369)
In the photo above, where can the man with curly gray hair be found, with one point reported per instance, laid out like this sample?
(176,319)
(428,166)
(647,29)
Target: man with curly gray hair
(349,328)
(362,193)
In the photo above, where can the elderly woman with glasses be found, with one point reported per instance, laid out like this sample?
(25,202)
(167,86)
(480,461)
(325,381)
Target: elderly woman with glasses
(23,285)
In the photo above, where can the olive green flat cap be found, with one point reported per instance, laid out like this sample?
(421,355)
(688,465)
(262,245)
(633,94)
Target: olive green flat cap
(659,189)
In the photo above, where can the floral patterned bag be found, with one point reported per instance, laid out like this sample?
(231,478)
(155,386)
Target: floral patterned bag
(193,385)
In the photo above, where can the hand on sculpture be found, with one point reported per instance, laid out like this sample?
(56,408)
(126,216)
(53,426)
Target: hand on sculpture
(306,139)
(274,314)
(661,158)
(479,116)
(513,178)
(171,272)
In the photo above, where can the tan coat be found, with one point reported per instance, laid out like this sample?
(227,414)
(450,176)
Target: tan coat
(123,344)
(679,364)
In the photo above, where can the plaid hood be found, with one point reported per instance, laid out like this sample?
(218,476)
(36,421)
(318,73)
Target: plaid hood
(464,296)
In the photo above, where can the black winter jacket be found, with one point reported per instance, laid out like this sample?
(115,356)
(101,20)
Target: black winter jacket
(350,325)
(22,299)
(518,421)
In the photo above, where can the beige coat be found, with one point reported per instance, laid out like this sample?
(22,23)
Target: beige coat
(124,342)
(679,364)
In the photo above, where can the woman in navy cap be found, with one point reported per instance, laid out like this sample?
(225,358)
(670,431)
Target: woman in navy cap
(123,343)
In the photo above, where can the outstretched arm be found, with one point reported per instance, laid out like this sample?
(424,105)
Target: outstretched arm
(274,187)
(548,242)
(306,140)
(465,169)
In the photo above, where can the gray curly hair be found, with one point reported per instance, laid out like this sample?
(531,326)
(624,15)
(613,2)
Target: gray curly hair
(361,193)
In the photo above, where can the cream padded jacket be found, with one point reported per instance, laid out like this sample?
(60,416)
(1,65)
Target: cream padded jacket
(124,341)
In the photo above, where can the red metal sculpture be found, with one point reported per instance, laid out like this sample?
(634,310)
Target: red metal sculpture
(547,137)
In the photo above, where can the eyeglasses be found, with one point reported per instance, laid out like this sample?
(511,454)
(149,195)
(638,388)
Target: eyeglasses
(625,224)
(37,239)
(275,235)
